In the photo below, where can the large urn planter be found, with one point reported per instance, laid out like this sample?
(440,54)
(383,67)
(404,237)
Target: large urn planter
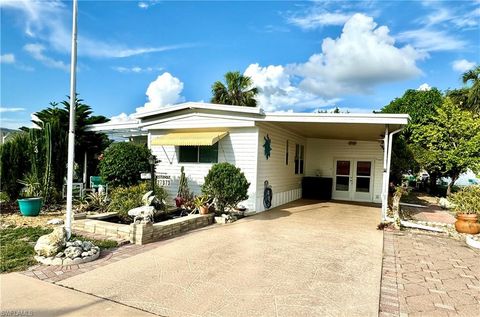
(467,223)
(30,207)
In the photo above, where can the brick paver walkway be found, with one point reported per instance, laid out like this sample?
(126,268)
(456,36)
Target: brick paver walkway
(430,213)
(57,273)
(429,275)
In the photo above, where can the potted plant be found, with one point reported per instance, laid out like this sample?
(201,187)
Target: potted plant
(32,202)
(201,202)
(467,206)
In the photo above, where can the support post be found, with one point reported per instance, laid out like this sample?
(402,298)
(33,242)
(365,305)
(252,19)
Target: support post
(71,129)
(385,176)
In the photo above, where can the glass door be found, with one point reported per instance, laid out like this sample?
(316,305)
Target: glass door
(363,180)
(342,185)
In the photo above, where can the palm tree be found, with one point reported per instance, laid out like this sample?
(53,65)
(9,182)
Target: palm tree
(473,75)
(237,91)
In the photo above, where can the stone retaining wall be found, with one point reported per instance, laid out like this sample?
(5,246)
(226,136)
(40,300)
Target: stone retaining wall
(141,233)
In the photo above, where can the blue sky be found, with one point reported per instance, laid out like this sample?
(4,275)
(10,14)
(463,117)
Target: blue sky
(142,55)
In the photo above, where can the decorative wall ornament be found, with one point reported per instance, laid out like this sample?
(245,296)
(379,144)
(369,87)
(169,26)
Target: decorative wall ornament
(267,146)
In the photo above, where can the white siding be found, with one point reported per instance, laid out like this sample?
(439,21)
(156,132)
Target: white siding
(198,120)
(238,147)
(322,153)
(286,185)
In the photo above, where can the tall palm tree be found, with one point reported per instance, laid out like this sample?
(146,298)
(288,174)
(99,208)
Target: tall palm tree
(473,76)
(237,90)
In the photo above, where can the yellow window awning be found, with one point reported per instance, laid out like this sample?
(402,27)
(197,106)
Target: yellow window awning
(189,138)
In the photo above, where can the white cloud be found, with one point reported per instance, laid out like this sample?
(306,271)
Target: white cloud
(121,118)
(164,91)
(314,20)
(462,65)
(37,52)
(147,4)
(11,109)
(49,21)
(431,40)
(277,92)
(7,59)
(136,69)
(363,56)
(424,87)
(143,5)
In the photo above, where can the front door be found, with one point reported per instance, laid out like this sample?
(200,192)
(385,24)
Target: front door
(353,180)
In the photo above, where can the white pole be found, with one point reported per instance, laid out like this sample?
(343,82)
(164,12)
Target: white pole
(385,178)
(389,160)
(71,130)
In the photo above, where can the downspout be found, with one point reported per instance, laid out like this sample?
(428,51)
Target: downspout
(389,159)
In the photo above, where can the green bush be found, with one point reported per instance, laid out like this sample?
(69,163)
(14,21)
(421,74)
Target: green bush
(467,200)
(125,198)
(14,164)
(123,162)
(227,184)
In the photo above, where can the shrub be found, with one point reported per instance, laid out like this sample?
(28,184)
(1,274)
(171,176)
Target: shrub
(467,200)
(227,184)
(14,163)
(125,198)
(123,162)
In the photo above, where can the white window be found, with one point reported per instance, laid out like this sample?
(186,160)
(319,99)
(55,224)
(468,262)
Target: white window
(299,158)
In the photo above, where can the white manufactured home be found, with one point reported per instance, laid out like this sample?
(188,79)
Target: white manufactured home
(349,154)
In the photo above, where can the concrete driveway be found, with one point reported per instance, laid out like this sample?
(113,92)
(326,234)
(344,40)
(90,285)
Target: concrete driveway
(302,259)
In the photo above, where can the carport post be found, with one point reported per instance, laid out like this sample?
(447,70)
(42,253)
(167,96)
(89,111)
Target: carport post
(389,161)
(385,177)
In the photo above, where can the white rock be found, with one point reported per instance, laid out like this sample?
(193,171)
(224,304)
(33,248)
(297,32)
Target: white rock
(69,244)
(84,254)
(55,221)
(94,250)
(50,244)
(445,204)
(73,252)
(78,243)
(87,245)
(60,254)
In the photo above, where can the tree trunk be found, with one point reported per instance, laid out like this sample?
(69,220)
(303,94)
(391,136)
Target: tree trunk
(433,183)
(454,178)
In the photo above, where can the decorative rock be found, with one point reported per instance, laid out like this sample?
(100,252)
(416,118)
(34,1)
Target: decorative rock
(94,250)
(78,243)
(87,245)
(84,254)
(143,214)
(445,204)
(70,244)
(60,255)
(220,220)
(55,221)
(73,252)
(50,244)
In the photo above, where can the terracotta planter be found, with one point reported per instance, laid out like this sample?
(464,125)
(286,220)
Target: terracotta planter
(467,223)
(203,210)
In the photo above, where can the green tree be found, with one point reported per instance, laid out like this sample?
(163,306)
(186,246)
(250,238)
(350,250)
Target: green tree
(473,98)
(421,106)
(451,142)
(85,141)
(237,91)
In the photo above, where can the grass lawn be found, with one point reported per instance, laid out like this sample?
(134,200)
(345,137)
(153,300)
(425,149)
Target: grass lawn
(16,246)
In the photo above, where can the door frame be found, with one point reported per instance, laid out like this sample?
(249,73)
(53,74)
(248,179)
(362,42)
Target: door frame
(351,195)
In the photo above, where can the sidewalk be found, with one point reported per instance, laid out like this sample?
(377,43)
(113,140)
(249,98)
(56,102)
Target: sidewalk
(25,296)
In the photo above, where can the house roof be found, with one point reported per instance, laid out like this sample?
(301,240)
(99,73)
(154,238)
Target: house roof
(191,115)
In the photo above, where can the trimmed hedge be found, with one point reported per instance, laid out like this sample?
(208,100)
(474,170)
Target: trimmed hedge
(123,162)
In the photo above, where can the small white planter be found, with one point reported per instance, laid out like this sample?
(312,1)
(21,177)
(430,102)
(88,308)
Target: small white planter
(473,243)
